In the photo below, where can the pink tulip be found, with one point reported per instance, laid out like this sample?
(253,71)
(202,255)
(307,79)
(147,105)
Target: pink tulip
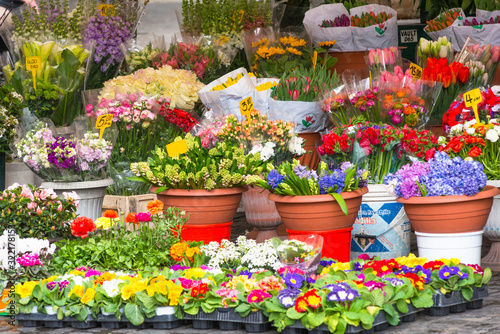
(295,95)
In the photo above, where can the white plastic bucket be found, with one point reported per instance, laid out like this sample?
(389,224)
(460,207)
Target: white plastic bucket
(464,246)
(382,227)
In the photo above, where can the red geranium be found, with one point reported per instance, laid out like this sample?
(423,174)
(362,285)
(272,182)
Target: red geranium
(82,226)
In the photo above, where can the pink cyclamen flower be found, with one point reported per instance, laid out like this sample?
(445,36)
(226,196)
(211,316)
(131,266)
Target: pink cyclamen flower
(29,260)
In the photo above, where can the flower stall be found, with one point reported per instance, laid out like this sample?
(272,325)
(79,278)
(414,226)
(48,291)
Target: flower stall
(147,149)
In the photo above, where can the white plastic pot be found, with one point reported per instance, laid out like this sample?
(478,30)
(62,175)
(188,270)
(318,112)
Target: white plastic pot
(165,310)
(122,310)
(50,310)
(91,195)
(464,246)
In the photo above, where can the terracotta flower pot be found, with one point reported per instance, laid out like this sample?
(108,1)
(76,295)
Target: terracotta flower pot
(450,214)
(203,207)
(311,159)
(261,213)
(318,212)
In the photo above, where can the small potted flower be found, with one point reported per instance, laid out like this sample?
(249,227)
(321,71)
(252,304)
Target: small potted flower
(324,202)
(448,203)
(206,184)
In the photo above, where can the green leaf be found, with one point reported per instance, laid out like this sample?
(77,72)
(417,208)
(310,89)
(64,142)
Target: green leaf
(315,319)
(467,292)
(148,301)
(134,314)
(366,318)
(486,276)
(402,306)
(341,202)
(293,314)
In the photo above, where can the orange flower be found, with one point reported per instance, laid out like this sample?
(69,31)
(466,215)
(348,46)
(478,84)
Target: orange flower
(408,110)
(400,94)
(155,207)
(131,219)
(110,214)
(177,250)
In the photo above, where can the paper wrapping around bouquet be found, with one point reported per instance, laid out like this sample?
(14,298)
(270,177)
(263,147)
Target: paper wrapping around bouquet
(378,36)
(483,34)
(227,101)
(448,32)
(307,116)
(314,18)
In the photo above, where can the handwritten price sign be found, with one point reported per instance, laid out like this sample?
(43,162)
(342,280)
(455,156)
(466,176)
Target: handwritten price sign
(415,71)
(103,122)
(176,148)
(246,106)
(106,10)
(33,64)
(472,98)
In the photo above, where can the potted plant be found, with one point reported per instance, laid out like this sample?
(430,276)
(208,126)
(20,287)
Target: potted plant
(206,184)
(276,142)
(448,203)
(324,202)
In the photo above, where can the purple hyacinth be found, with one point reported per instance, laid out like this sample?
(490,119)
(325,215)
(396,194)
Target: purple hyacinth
(274,178)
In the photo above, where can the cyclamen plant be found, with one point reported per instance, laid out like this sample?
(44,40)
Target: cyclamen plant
(440,176)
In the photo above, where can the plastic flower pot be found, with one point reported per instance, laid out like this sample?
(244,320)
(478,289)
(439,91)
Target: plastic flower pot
(450,214)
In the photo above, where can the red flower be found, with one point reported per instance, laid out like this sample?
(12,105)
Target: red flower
(433,265)
(475,152)
(110,214)
(301,304)
(82,226)
(429,154)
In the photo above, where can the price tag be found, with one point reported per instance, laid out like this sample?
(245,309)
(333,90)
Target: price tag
(371,83)
(315,59)
(176,148)
(415,71)
(33,64)
(106,10)
(103,122)
(246,106)
(472,98)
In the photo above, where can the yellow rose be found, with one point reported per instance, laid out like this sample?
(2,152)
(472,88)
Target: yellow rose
(88,296)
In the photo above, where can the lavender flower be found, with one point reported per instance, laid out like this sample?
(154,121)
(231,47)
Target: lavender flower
(287,297)
(274,178)
(294,280)
(342,293)
(394,281)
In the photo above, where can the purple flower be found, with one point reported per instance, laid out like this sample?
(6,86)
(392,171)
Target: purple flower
(176,267)
(62,153)
(274,178)
(445,273)
(63,284)
(310,280)
(51,285)
(394,281)
(287,297)
(245,273)
(326,263)
(294,280)
(342,293)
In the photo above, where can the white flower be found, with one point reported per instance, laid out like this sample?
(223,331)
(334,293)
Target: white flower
(111,287)
(442,139)
(267,151)
(470,131)
(256,148)
(457,129)
(469,123)
(295,145)
(492,135)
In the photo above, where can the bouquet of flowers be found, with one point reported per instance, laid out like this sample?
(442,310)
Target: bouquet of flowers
(363,95)
(441,176)
(383,60)
(180,86)
(442,48)
(224,166)
(302,252)
(335,104)
(55,158)
(37,211)
(478,141)
(274,140)
(203,61)
(10,115)
(487,55)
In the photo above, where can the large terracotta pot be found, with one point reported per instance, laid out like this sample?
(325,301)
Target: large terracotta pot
(492,232)
(318,212)
(203,207)
(450,214)
(310,159)
(261,213)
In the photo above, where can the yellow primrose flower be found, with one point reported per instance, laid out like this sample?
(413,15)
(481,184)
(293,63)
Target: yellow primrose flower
(411,260)
(157,279)
(450,262)
(337,266)
(25,290)
(174,292)
(194,273)
(128,291)
(140,286)
(151,289)
(107,276)
(88,296)
(77,273)
(50,279)
(77,290)
(249,283)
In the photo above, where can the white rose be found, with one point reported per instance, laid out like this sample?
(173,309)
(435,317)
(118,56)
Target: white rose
(492,135)
(470,131)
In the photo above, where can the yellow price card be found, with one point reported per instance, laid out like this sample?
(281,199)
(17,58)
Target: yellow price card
(103,122)
(33,64)
(415,72)
(472,98)
(177,148)
(246,106)
(106,10)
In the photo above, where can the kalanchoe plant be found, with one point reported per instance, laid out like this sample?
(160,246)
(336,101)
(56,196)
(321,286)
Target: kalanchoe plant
(224,166)
(440,176)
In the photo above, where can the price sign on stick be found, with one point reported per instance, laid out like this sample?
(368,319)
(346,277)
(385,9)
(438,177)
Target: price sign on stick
(103,122)
(472,98)
(33,64)
(315,59)
(246,106)
(106,10)
(176,148)
(415,71)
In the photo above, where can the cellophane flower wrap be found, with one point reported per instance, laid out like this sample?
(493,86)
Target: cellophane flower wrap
(139,120)
(336,104)
(488,55)
(301,251)
(274,140)
(440,176)
(80,155)
(379,60)
(37,211)
(405,101)
(223,166)
(478,141)
(363,96)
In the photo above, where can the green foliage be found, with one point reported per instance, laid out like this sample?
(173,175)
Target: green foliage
(10,115)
